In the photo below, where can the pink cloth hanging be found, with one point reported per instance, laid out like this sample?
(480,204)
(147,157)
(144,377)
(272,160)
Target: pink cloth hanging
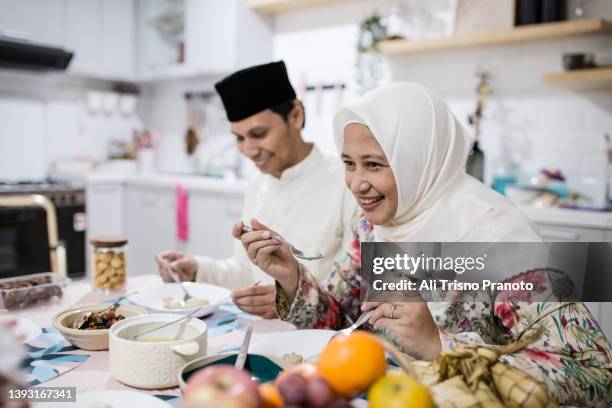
(182,212)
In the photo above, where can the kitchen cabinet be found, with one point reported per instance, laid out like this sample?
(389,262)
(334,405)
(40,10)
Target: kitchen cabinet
(150,223)
(579,226)
(101,35)
(555,232)
(99,32)
(225,36)
(39,20)
(83,34)
(149,226)
(207,37)
(211,217)
(105,209)
(118,39)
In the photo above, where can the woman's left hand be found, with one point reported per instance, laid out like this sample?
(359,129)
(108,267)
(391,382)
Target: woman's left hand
(409,325)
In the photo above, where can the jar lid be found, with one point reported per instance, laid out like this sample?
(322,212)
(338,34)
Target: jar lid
(108,242)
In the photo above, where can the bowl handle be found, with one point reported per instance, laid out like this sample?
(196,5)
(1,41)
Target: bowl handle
(187,349)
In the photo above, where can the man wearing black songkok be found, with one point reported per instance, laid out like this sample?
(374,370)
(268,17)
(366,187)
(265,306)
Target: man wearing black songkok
(300,193)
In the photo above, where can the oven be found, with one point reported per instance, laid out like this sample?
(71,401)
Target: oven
(24,246)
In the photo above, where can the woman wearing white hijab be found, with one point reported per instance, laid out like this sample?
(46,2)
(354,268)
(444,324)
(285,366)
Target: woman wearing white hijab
(405,154)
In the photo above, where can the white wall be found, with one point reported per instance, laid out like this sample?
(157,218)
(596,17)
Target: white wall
(541,125)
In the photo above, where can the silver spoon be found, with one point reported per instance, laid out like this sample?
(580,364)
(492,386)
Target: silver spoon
(296,252)
(186,295)
(244,348)
(187,316)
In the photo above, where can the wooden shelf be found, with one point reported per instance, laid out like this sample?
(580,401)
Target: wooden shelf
(590,79)
(282,6)
(520,34)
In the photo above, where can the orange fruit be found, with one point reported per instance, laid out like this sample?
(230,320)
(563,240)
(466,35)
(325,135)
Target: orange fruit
(352,363)
(270,396)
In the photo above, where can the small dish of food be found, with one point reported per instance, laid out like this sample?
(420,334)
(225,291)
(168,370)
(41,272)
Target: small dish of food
(87,326)
(153,358)
(22,292)
(167,298)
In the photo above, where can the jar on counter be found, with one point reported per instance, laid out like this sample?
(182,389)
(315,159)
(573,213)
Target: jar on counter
(109,263)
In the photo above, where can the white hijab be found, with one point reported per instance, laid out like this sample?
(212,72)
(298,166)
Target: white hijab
(427,150)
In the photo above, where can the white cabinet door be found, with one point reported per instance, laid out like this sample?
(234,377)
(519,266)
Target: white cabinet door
(225,36)
(41,20)
(105,210)
(82,34)
(210,33)
(118,38)
(211,217)
(149,223)
(550,232)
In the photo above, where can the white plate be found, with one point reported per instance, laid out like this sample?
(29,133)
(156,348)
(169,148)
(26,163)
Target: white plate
(24,327)
(119,399)
(151,297)
(307,343)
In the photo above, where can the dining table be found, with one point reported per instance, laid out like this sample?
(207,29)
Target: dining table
(226,330)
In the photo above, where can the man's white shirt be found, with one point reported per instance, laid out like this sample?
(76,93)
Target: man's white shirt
(309,205)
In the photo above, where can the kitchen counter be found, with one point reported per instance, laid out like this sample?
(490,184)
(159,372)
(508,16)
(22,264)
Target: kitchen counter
(164,180)
(570,218)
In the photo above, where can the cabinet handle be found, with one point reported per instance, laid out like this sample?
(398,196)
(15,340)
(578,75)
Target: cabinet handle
(569,236)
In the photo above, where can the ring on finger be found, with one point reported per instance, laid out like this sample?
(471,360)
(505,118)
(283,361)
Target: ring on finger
(393,306)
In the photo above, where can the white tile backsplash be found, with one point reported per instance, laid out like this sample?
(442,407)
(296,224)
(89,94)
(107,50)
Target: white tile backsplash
(22,147)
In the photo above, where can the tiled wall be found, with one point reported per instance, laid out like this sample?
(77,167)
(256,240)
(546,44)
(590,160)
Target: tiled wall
(44,119)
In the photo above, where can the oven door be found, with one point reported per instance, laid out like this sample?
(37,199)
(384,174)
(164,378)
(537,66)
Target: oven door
(24,248)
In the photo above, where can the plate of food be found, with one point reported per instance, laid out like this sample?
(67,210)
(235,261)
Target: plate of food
(168,298)
(292,346)
(24,329)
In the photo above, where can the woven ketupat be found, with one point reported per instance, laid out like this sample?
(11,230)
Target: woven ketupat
(472,376)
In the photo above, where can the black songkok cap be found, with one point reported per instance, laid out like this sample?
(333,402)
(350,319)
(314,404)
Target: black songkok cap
(254,89)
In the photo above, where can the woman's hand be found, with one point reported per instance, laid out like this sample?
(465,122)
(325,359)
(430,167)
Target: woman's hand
(271,254)
(408,325)
(257,300)
(185,267)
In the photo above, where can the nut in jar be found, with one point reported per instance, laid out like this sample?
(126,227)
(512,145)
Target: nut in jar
(109,263)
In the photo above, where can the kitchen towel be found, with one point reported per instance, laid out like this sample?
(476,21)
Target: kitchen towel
(182,212)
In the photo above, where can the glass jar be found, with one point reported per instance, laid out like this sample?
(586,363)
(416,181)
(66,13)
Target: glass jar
(109,266)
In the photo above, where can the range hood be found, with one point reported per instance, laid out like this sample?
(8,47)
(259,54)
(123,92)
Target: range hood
(22,54)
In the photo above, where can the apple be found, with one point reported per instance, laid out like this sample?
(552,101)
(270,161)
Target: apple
(222,386)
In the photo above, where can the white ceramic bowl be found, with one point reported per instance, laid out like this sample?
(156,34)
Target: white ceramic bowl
(89,339)
(153,365)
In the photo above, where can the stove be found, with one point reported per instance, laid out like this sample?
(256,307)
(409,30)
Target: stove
(23,238)
(61,193)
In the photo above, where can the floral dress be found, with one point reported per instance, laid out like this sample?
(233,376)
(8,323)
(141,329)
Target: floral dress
(572,356)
